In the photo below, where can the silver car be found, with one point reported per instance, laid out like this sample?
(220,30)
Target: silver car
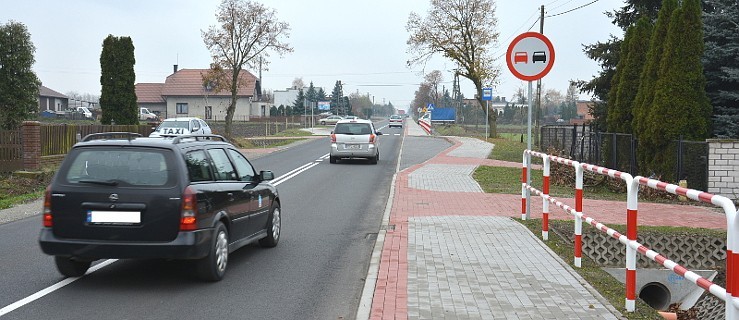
(330,120)
(355,138)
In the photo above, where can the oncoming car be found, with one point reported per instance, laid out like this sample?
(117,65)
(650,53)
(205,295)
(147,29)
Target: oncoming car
(119,196)
(330,120)
(181,126)
(355,139)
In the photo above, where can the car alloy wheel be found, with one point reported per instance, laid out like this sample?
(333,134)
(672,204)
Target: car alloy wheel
(273,228)
(221,251)
(213,266)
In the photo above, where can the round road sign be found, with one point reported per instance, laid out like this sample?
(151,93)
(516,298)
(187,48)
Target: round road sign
(530,56)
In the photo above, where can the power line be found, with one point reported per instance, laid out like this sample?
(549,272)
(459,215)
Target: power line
(580,7)
(559,6)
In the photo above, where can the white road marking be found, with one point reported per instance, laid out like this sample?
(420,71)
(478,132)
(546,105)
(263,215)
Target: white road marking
(52,288)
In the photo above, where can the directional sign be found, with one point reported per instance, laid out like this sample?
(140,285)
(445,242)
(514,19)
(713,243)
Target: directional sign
(487,94)
(530,56)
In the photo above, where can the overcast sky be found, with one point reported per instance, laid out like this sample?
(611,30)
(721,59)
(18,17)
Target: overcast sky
(361,43)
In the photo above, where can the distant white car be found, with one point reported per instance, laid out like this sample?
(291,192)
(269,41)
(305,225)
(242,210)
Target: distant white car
(330,120)
(84,111)
(146,115)
(181,126)
(355,138)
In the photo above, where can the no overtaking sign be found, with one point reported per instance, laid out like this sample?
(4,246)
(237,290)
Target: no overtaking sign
(530,56)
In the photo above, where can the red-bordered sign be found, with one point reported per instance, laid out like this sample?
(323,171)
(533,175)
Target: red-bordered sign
(530,56)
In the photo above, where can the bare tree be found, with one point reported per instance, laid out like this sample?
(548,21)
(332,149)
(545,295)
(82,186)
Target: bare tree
(298,83)
(572,94)
(247,33)
(462,31)
(433,79)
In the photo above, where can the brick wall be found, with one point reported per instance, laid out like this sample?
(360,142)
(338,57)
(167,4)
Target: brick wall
(723,168)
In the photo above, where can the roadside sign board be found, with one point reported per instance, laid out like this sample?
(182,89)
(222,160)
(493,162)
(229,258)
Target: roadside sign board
(530,56)
(430,106)
(487,94)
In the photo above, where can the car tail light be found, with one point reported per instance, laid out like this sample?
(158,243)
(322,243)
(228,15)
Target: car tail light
(372,138)
(333,138)
(188,221)
(47,208)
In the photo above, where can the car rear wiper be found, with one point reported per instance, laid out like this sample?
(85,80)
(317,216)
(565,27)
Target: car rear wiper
(101,182)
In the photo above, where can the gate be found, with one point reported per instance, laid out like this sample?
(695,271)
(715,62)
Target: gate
(11,150)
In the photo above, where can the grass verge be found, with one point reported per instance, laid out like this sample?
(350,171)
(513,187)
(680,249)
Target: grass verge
(610,288)
(15,189)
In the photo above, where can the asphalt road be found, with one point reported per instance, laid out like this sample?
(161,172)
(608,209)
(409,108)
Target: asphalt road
(331,216)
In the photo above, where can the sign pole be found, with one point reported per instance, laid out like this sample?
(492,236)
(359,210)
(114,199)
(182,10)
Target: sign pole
(487,120)
(528,146)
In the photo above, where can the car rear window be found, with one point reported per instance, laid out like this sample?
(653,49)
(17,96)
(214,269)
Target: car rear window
(353,128)
(120,167)
(175,124)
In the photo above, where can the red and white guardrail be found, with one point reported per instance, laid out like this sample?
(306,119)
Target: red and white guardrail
(425,124)
(730,295)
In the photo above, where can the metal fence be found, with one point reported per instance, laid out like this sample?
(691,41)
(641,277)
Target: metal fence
(618,151)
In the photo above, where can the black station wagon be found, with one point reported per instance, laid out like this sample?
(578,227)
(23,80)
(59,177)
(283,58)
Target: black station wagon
(118,195)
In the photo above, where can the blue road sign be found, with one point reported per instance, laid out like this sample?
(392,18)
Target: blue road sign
(430,106)
(487,94)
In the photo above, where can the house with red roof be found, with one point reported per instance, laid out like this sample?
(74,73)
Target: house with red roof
(185,94)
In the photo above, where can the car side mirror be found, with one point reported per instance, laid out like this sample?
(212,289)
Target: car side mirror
(378,133)
(266,175)
(332,132)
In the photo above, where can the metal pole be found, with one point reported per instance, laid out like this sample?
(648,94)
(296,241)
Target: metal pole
(487,117)
(528,146)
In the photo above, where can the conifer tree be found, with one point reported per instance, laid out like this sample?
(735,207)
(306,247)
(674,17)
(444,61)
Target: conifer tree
(630,75)
(117,79)
(613,114)
(648,80)
(681,108)
(18,83)
(721,65)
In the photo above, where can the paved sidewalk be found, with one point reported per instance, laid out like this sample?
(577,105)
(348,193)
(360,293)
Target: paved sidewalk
(452,251)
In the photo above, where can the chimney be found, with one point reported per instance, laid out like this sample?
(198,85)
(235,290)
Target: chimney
(175,69)
(503,98)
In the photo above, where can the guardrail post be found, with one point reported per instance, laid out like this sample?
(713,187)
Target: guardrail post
(632,191)
(545,201)
(732,257)
(578,215)
(524,194)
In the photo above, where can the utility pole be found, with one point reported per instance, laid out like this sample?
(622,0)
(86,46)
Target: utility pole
(538,86)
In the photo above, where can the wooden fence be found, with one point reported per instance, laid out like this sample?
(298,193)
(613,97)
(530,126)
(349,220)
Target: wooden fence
(59,139)
(11,150)
(51,144)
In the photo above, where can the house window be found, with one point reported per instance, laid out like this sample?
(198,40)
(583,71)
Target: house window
(182,108)
(208,112)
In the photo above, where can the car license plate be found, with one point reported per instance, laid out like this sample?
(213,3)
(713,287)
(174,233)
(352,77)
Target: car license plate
(114,217)
(353,146)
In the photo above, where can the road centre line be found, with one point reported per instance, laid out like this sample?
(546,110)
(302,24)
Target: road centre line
(296,171)
(38,295)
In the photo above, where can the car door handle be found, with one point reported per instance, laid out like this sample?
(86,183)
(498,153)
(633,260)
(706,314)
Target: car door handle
(230,196)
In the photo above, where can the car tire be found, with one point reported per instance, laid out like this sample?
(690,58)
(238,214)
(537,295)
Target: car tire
(274,228)
(323,123)
(70,267)
(374,159)
(213,266)
(331,159)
